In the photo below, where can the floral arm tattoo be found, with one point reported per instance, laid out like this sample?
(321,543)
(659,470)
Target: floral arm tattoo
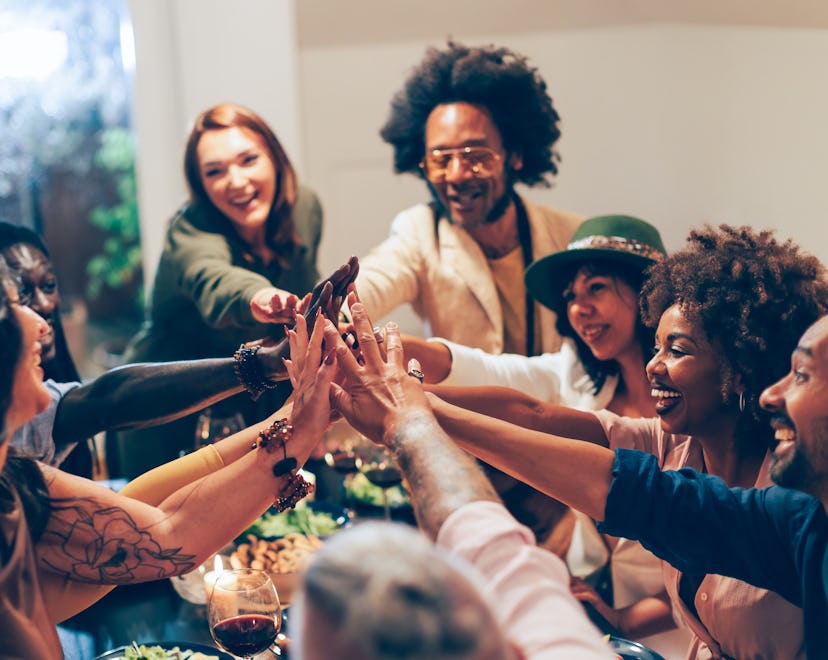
(99,544)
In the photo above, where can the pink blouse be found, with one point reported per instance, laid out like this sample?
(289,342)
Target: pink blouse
(735,619)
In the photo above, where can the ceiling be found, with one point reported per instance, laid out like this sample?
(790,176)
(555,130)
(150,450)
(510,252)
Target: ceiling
(351,22)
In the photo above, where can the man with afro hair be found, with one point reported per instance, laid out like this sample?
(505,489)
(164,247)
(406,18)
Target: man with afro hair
(471,122)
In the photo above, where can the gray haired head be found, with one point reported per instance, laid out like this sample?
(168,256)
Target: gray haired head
(381,591)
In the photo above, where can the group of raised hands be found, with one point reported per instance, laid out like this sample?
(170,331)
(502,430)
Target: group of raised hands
(365,381)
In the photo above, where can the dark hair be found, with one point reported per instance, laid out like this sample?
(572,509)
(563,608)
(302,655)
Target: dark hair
(280,232)
(20,474)
(498,79)
(753,297)
(62,367)
(10,345)
(630,274)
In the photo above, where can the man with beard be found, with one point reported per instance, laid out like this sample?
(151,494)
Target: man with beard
(774,538)
(472,122)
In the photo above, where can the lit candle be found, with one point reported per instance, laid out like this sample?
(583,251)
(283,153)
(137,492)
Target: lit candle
(210,576)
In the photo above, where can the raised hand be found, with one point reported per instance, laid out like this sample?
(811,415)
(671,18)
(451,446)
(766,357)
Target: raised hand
(327,296)
(310,373)
(379,391)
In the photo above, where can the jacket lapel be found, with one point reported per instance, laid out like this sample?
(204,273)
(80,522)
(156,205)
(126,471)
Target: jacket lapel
(463,255)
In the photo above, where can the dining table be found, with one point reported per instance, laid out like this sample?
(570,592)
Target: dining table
(153,612)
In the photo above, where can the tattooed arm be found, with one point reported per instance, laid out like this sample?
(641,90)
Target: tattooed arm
(441,476)
(381,401)
(96,535)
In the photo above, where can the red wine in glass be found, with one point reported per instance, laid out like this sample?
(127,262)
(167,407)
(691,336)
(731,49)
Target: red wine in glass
(243,611)
(343,461)
(246,635)
(380,471)
(383,476)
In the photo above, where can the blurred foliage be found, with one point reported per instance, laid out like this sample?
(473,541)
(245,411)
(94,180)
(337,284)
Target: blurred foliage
(120,262)
(74,119)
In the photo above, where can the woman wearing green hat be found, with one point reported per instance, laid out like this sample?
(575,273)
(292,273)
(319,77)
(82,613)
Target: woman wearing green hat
(593,288)
(730,309)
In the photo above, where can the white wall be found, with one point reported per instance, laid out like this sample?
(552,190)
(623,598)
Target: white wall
(677,123)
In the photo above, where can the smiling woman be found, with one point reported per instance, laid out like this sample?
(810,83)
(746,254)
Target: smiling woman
(238,258)
(730,309)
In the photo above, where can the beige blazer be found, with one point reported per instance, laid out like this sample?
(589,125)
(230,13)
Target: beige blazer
(444,275)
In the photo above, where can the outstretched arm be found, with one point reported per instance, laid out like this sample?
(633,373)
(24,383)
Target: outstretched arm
(523,410)
(381,401)
(142,395)
(97,536)
(574,472)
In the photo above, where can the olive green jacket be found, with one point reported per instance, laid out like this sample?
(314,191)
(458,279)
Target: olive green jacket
(200,303)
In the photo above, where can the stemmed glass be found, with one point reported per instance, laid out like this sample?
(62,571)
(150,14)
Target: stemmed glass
(244,612)
(380,468)
(343,459)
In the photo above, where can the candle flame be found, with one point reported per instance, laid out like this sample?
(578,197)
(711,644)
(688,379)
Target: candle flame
(218,565)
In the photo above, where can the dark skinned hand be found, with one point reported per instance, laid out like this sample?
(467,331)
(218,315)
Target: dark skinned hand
(328,295)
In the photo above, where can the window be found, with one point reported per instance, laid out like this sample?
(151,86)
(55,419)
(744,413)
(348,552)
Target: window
(66,145)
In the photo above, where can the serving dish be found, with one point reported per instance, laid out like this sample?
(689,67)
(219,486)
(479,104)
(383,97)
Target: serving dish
(630,650)
(120,652)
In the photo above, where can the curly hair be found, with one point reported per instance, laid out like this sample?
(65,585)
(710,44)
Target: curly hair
(632,276)
(752,295)
(498,79)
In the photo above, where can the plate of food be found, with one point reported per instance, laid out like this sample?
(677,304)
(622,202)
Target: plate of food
(309,518)
(628,650)
(165,651)
(361,491)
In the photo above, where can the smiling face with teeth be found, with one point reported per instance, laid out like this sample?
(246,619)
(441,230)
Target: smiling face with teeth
(799,408)
(239,176)
(469,200)
(28,396)
(686,379)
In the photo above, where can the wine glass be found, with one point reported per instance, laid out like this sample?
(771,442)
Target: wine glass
(342,459)
(380,468)
(244,612)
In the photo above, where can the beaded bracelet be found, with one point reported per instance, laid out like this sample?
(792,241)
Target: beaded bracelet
(249,371)
(296,487)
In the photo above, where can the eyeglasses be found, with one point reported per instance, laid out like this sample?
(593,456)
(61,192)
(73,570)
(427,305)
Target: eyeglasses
(481,161)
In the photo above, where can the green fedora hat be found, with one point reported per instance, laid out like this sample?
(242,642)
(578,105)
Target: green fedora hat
(619,238)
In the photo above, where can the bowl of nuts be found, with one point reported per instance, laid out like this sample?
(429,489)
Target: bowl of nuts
(283,558)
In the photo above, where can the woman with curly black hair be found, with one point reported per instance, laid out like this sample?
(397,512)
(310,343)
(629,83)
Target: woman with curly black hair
(730,309)
(471,122)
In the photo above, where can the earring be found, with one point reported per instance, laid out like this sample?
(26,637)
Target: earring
(742,401)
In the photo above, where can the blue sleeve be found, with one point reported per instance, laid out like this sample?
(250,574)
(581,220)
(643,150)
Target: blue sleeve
(699,524)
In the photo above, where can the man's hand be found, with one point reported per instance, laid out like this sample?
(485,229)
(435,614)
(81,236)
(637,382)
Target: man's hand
(374,395)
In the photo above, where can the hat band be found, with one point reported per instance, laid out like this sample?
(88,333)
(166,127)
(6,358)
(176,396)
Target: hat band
(617,243)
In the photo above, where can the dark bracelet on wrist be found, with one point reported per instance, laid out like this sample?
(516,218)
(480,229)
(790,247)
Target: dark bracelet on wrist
(295,487)
(249,372)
